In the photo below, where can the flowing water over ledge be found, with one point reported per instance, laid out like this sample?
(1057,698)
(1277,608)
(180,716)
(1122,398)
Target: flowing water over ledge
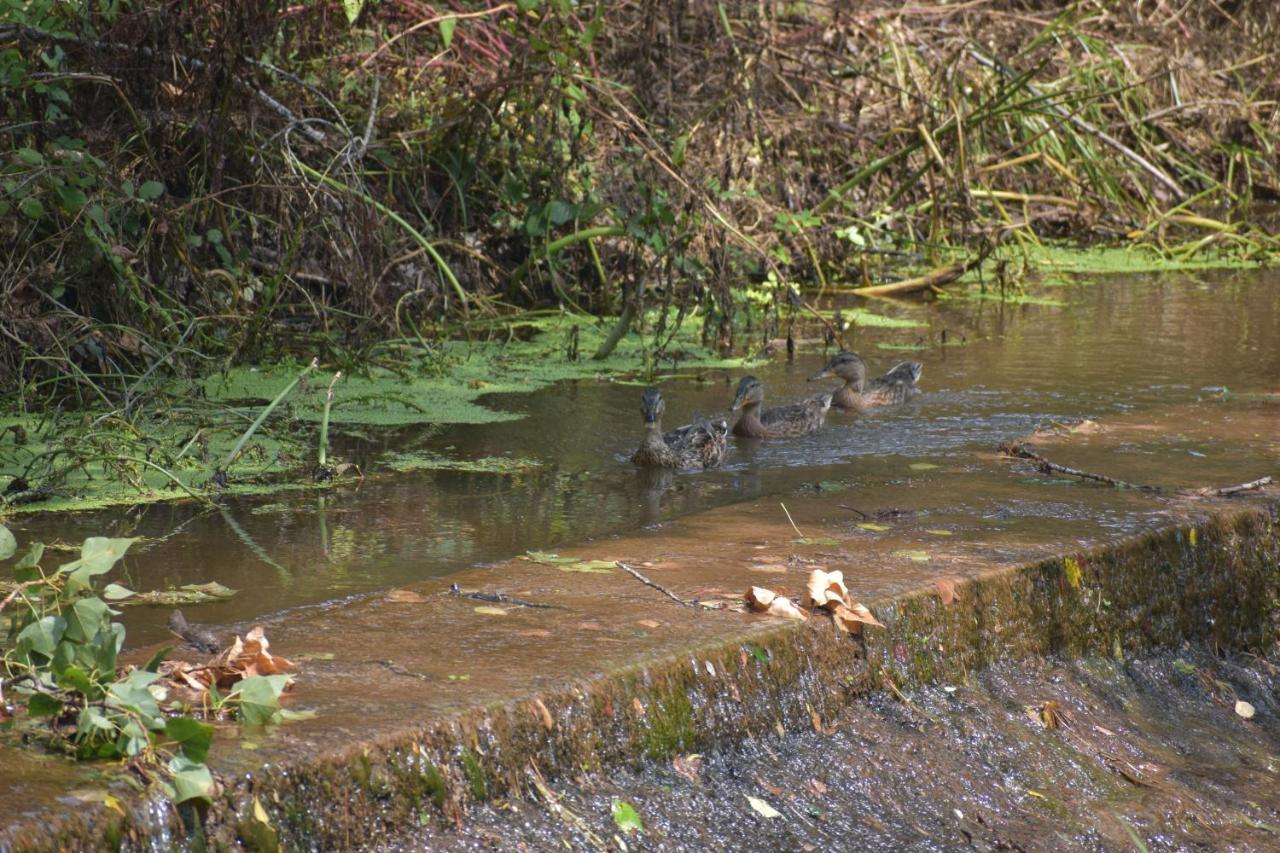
(423,702)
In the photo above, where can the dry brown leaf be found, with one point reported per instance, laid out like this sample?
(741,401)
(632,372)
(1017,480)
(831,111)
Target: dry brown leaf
(405,596)
(638,707)
(535,632)
(825,589)
(852,617)
(688,766)
(946,590)
(773,604)
(544,715)
(770,568)
(816,787)
(760,598)
(590,625)
(772,789)
(650,623)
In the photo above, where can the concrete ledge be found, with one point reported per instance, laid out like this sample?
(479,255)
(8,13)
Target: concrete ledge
(1217,578)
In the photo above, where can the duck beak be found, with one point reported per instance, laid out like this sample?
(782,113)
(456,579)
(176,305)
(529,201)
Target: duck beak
(737,402)
(822,374)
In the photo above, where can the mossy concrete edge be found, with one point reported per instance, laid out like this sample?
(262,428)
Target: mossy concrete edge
(1216,579)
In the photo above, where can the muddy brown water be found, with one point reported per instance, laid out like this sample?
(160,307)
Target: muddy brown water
(1150,350)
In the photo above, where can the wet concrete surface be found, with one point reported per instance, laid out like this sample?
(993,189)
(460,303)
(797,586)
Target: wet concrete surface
(1092,754)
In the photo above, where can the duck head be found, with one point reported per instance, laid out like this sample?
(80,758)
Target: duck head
(652,406)
(750,393)
(847,366)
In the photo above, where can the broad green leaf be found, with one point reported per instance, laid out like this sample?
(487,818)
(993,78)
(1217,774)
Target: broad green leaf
(28,568)
(150,190)
(41,705)
(132,693)
(92,722)
(116,592)
(97,555)
(133,739)
(447,26)
(259,697)
(86,618)
(353,8)
(30,156)
(42,637)
(75,678)
(153,664)
(560,212)
(192,735)
(71,198)
(873,527)
(549,559)
(8,544)
(626,817)
(108,647)
(31,208)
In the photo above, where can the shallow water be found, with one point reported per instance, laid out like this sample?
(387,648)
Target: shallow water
(1150,353)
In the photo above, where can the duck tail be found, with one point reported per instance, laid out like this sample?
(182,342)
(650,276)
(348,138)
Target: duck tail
(906,374)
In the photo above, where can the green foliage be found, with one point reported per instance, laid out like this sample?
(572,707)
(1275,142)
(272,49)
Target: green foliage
(60,661)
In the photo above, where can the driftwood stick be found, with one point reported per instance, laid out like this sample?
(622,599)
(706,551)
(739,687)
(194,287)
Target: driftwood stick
(1229,491)
(1021,451)
(1044,466)
(934,278)
(662,589)
(17,589)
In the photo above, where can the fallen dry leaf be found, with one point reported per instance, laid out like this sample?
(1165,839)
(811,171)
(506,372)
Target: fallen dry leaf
(816,787)
(405,596)
(1244,709)
(688,766)
(487,610)
(649,623)
(244,658)
(762,808)
(544,715)
(638,707)
(535,632)
(772,789)
(825,588)
(773,604)
(771,568)
(946,590)
(852,617)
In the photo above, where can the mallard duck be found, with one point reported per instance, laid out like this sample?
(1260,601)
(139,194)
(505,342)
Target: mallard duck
(782,422)
(701,444)
(857,394)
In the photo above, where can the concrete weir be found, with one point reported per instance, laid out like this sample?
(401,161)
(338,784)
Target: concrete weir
(417,720)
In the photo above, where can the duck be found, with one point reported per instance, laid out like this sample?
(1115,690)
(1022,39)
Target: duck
(857,394)
(781,422)
(701,444)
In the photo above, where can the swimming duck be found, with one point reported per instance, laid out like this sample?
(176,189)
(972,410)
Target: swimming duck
(701,444)
(857,394)
(781,422)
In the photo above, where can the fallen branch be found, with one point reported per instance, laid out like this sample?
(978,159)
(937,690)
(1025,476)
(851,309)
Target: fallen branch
(934,278)
(662,589)
(1044,466)
(1017,450)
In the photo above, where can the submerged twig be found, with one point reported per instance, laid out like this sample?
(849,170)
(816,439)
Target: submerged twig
(1044,466)
(659,587)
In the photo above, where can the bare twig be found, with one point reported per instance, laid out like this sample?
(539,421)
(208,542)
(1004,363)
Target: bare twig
(1044,466)
(662,589)
(13,593)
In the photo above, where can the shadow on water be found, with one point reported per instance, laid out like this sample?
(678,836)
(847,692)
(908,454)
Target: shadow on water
(1120,348)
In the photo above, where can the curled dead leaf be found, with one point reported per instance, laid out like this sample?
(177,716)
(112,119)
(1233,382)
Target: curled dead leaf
(688,766)
(946,590)
(770,602)
(544,715)
(825,589)
(853,616)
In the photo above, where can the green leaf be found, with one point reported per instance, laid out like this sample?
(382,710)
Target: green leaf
(86,618)
(560,212)
(97,555)
(71,198)
(548,559)
(92,722)
(528,5)
(116,592)
(41,705)
(259,698)
(30,156)
(133,693)
(150,190)
(192,735)
(8,544)
(626,817)
(75,678)
(31,208)
(446,31)
(42,637)
(353,8)
(27,569)
(153,664)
